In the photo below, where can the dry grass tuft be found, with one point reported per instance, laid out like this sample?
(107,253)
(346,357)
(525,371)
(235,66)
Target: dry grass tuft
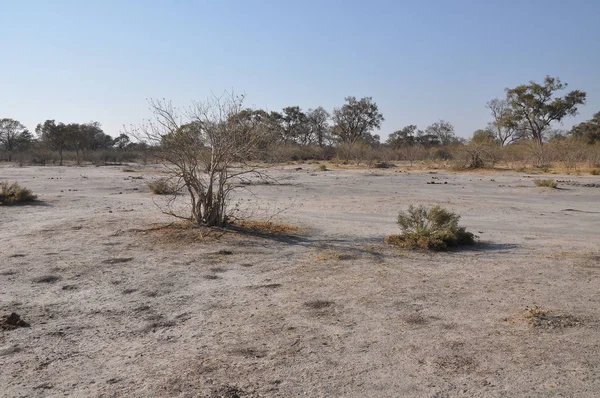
(265,227)
(163,186)
(545,183)
(333,255)
(182,234)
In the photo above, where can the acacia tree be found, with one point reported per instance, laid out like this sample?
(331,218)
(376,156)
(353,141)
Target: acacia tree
(12,133)
(208,148)
(356,120)
(535,106)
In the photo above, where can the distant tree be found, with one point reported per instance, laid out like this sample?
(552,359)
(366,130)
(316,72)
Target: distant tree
(55,136)
(318,123)
(99,140)
(122,142)
(484,136)
(427,140)
(505,133)
(295,125)
(82,136)
(536,107)
(356,120)
(443,130)
(406,136)
(589,131)
(12,133)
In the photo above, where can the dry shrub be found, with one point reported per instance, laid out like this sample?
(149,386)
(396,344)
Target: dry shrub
(545,183)
(322,167)
(163,186)
(430,229)
(595,172)
(13,193)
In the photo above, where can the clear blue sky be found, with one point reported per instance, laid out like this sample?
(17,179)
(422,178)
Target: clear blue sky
(80,61)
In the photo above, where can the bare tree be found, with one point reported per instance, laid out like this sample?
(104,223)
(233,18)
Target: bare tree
(208,148)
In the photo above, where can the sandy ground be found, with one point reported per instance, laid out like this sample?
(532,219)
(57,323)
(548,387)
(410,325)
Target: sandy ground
(117,308)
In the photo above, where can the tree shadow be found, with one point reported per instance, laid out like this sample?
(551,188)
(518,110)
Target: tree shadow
(34,203)
(487,247)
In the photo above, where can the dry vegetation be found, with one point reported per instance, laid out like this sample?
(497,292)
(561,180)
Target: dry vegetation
(13,194)
(430,229)
(545,183)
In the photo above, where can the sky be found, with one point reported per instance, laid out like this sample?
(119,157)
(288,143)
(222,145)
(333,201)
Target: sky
(421,61)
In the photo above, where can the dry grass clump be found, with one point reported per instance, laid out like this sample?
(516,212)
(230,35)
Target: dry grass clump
(163,186)
(322,167)
(545,183)
(264,227)
(430,229)
(13,193)
(595,172)
(541,318)
(333,255)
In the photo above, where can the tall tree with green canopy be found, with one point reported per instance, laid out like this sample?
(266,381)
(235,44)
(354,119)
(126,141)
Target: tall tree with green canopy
(535,107)
(356,120)
(56,136)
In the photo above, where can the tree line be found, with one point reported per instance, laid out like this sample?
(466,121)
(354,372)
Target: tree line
(528,112)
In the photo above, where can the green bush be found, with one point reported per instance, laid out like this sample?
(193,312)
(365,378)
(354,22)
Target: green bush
(163,186)
(432,229)
(545,183)
(11,194)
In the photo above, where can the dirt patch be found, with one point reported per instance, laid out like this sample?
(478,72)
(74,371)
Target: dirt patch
(456,363)
(118,260)
(47,279)
(12,321)
(542,319)
(319,304)
(266,286)
(230,392)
